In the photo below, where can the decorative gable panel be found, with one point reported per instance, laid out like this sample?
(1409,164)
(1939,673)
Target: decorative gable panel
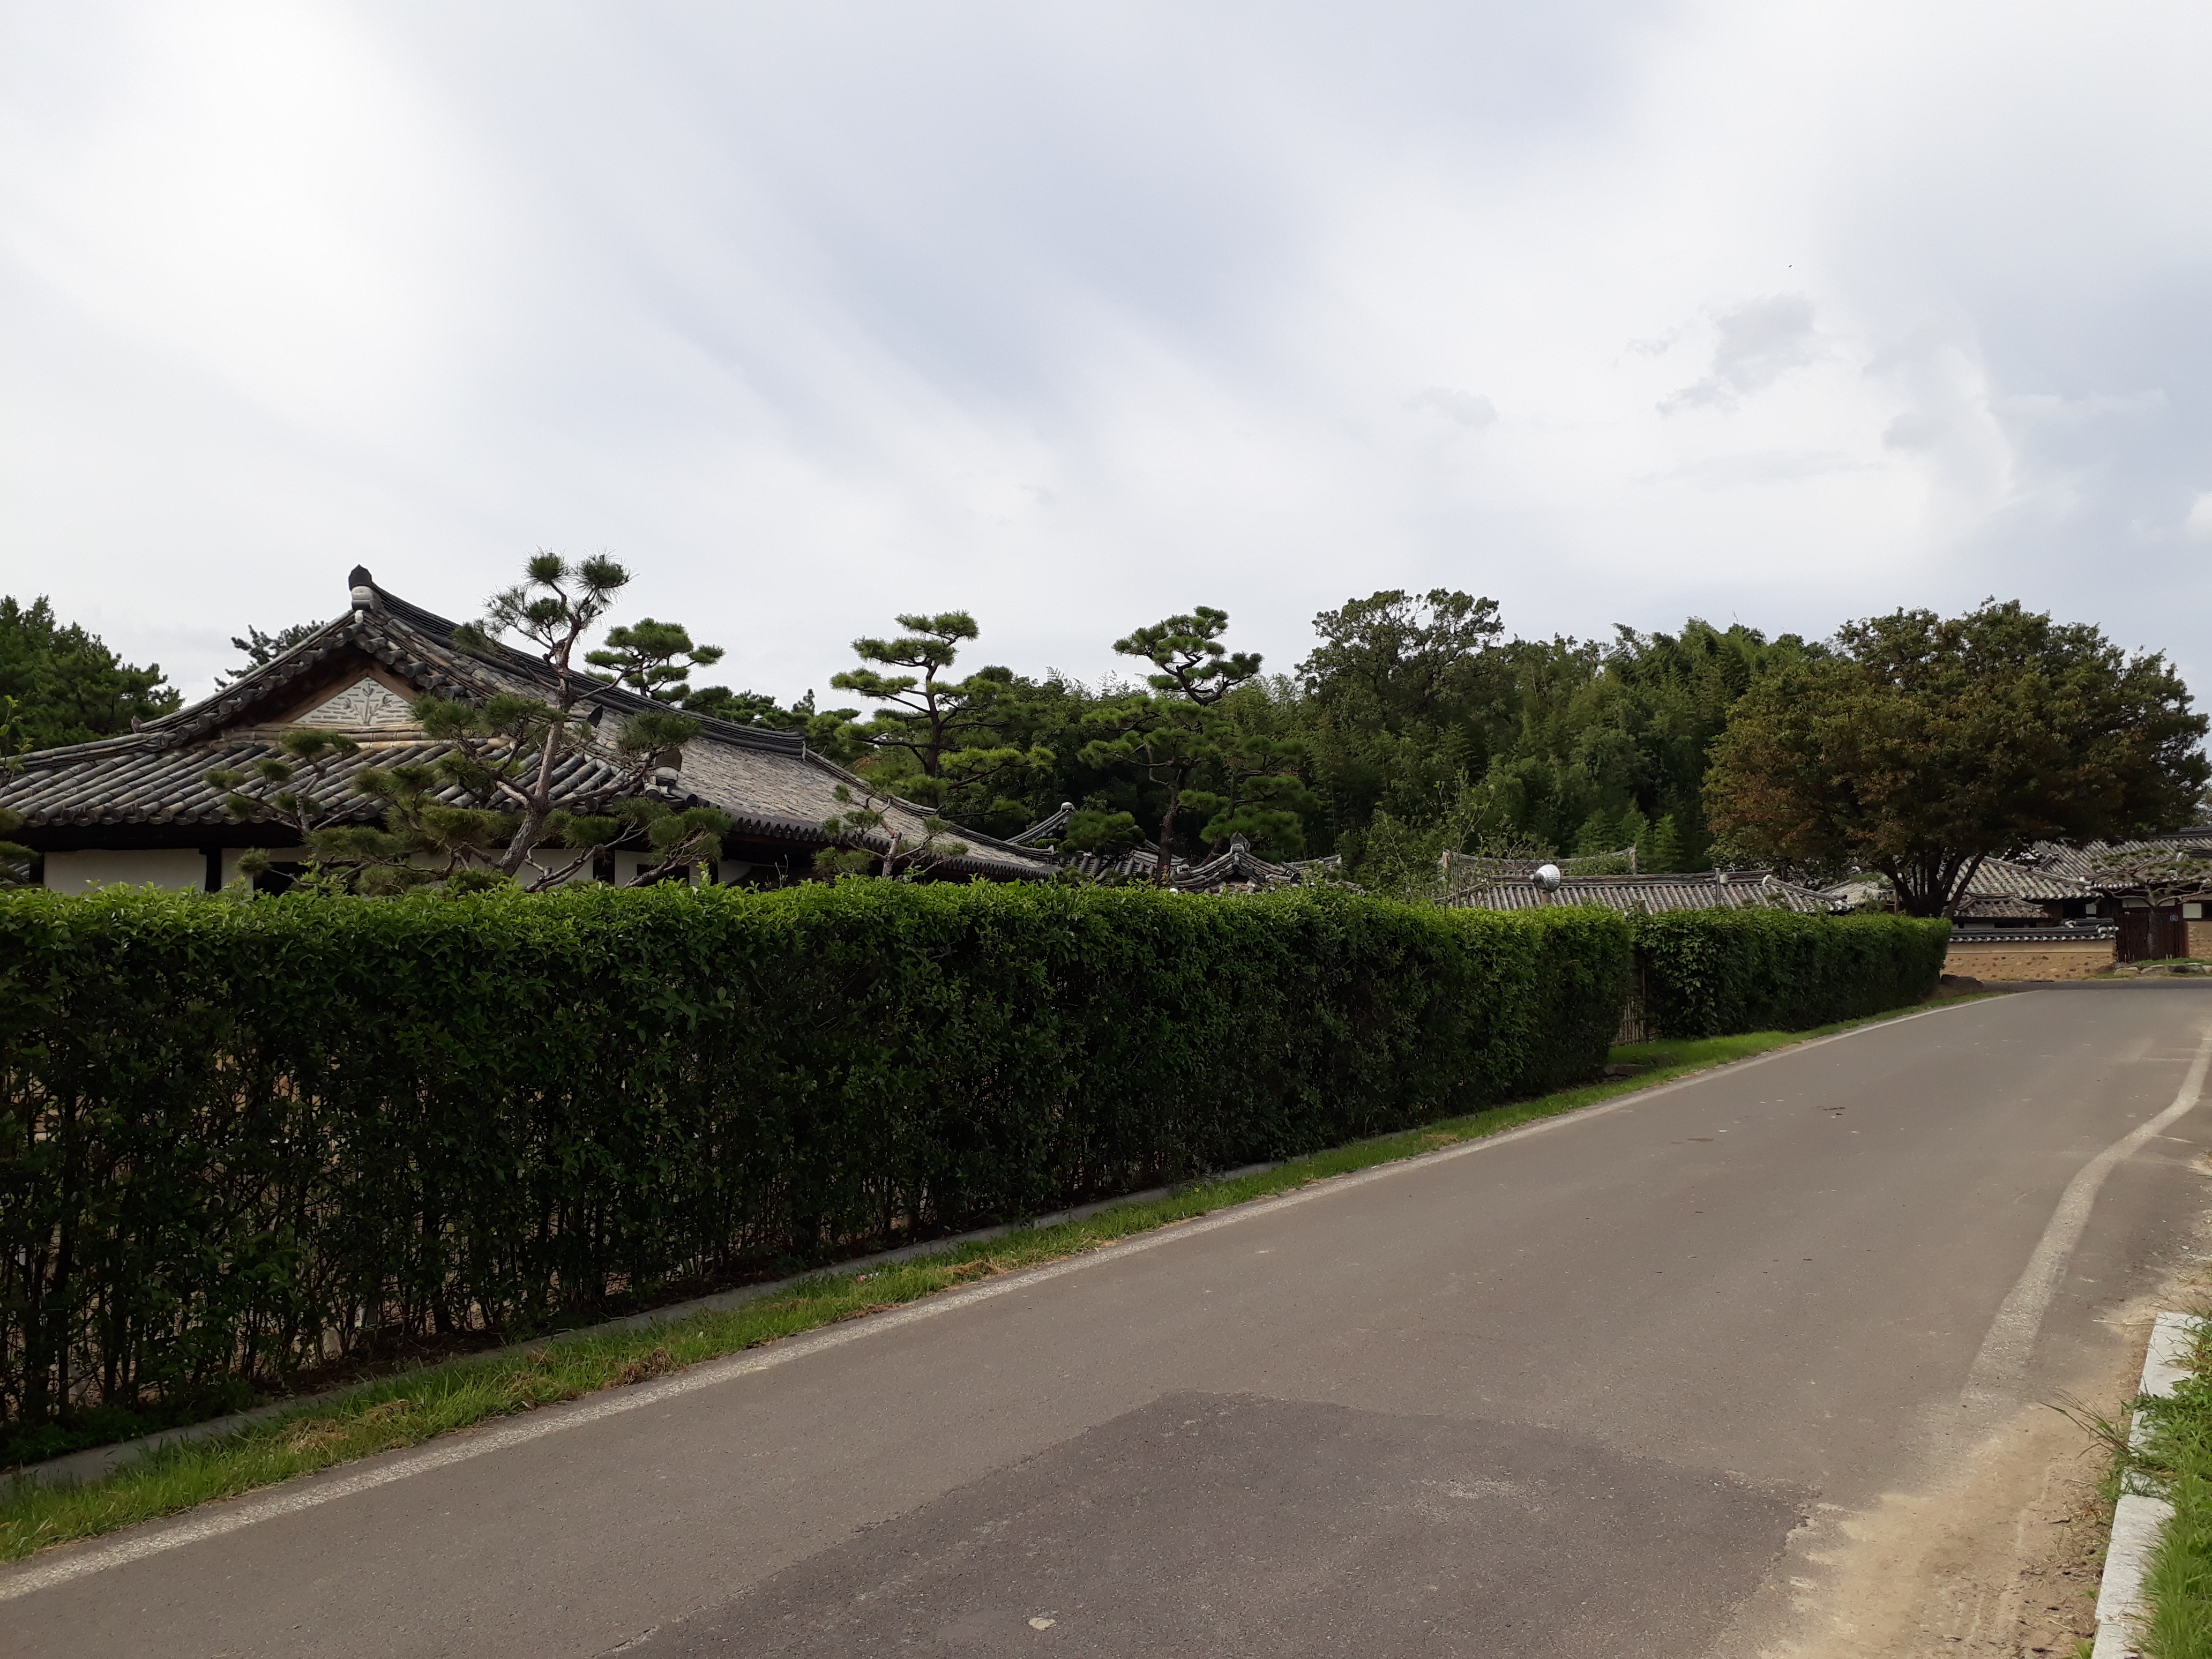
(367,703)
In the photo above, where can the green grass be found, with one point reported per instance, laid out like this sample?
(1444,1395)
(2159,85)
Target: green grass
(2175,1462)
(437,1398)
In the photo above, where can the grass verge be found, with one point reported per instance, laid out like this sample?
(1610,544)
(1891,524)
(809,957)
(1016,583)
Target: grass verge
(2174,1462)
(437,1398)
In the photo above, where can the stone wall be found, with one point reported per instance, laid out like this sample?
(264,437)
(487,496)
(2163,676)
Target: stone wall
(2034,958)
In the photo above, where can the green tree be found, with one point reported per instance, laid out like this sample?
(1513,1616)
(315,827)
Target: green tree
(1251,785)
(870,844)
(67,686)
(297,787)
(1176,730)
(1927,744)
(1561,742)
(507,752)
(1391,658)
(16,740)
(261,649)
(754,708)
(643,658)
(1106,834)
(15,860)
(1404,697)
(933,735)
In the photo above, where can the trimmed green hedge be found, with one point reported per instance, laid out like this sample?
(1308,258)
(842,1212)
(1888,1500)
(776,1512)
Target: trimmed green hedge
(246,1138)
(1715,973)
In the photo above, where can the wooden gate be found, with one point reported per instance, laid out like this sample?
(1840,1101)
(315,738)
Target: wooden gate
(2151,935)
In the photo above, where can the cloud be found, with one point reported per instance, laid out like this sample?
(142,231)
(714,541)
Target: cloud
(1912,431)
(1755,345)
(2052,409)
(1468,408)
(815,314)
(2199,525)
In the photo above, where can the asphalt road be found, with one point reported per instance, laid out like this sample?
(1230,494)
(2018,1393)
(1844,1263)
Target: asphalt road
(1568,1395)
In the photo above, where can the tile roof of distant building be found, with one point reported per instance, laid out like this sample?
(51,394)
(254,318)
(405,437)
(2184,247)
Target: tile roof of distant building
(1736,890)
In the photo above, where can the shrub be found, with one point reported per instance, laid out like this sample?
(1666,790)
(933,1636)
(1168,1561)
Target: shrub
(1715,973)
(246,1138)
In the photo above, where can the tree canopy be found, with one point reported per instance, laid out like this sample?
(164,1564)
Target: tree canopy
(1929,743)
(68,687)
(261,649)
(1416,727)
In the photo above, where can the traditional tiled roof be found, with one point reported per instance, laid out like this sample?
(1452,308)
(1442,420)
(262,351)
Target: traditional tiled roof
(1999,909)
(2008,878)
(1238,870)
(1739,889)
(767,781)
(1045,828)
(2088,866)
(1997,884)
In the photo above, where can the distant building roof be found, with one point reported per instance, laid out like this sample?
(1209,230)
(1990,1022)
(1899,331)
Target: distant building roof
(2188,853)
(2001,887)
(1738,890)
(1237,870)
(358,675)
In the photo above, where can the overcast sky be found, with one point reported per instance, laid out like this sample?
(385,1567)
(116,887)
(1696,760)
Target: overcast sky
(1075,314)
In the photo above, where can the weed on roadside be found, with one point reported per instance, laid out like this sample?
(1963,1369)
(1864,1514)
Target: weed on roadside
(2174,1462)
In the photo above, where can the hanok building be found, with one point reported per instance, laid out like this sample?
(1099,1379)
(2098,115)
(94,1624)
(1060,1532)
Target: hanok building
(2156,892)
(2005,894)
(136,808)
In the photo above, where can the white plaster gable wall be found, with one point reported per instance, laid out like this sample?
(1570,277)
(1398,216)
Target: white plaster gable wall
(181,867)
(367,704)
(626,864)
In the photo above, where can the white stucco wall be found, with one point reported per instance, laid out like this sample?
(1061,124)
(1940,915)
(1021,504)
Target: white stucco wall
(184,868)
(626,864)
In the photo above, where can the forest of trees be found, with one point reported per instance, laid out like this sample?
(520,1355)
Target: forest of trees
(1415,724)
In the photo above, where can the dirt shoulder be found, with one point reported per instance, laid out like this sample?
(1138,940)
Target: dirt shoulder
(2003,1554)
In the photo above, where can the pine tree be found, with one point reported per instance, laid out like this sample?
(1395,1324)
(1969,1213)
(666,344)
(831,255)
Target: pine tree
(1663,850)
(1182,728)
(261,649)
(642,657)
(935,735)
(66,686)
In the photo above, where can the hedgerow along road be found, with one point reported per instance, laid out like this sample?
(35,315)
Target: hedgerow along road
(1595,1389)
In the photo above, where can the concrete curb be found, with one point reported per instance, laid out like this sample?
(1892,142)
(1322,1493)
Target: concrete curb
(2140,1518)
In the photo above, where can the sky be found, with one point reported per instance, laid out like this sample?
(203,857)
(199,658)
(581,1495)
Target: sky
(1077,315)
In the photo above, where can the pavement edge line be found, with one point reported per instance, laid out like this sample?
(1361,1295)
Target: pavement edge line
(2002,1360)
